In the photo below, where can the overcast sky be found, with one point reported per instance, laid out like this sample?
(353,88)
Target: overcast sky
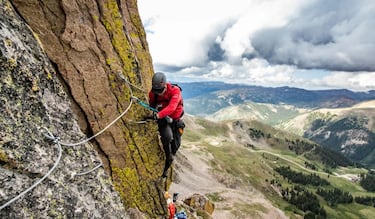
(311,44)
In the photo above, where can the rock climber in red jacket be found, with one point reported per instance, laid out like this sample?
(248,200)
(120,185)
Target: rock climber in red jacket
(171,207)
(167,99)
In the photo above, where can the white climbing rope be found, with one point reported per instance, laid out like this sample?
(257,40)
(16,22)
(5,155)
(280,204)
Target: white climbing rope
(89,171)
(127,81)
(101,131)
(114,121)
(56,141)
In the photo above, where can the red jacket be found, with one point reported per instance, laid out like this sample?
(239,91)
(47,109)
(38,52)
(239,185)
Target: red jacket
(169,104)
(172,210)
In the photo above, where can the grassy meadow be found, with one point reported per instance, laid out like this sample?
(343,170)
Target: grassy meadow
(241,166)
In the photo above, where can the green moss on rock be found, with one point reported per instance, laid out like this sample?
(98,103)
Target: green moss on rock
(3,157)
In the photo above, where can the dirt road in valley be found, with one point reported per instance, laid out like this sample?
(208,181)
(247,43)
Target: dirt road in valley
(194,176)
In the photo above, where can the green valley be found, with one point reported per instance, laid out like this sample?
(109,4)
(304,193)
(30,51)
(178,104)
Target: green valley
(246,154)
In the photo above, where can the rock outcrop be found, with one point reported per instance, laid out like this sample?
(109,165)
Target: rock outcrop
(200,203)
(71,67)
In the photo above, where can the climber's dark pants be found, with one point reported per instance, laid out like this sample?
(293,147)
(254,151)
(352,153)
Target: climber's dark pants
(171,140)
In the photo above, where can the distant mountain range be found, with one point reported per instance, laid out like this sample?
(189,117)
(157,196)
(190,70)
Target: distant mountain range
(350,130)
(204,98)
(341,120)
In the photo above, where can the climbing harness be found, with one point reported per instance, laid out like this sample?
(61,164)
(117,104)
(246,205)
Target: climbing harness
(57,141)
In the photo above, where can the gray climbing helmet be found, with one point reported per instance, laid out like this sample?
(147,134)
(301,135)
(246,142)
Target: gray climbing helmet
(158,82)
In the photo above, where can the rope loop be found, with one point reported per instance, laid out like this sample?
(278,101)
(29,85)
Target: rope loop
(128,82)
(51,137)
(47,134)
(57,140)
(44,131)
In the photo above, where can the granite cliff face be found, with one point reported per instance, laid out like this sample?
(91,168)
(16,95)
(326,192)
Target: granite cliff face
(71,67)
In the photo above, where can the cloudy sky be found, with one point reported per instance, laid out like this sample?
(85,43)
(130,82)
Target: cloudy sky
(311,44)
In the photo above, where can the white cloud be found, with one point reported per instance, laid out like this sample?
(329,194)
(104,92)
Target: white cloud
(255,71)
(177,29)
(359,81)
(264,42)
(260,15)
(333,35)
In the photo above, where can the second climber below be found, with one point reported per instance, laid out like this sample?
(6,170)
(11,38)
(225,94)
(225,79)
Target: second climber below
(167,99)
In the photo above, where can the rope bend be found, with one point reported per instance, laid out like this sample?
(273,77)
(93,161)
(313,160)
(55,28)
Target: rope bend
(50,136)
(57,141)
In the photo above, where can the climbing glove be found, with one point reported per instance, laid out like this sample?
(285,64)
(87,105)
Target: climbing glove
(155,115)
(148,117)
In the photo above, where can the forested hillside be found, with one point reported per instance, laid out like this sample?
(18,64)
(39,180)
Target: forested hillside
(298,176)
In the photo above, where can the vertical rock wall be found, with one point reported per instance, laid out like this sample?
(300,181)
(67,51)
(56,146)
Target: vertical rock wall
(31,99)
(93,46)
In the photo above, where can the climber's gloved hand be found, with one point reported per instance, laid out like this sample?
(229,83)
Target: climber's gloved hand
(169,119)
(155,115)
(148,117)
